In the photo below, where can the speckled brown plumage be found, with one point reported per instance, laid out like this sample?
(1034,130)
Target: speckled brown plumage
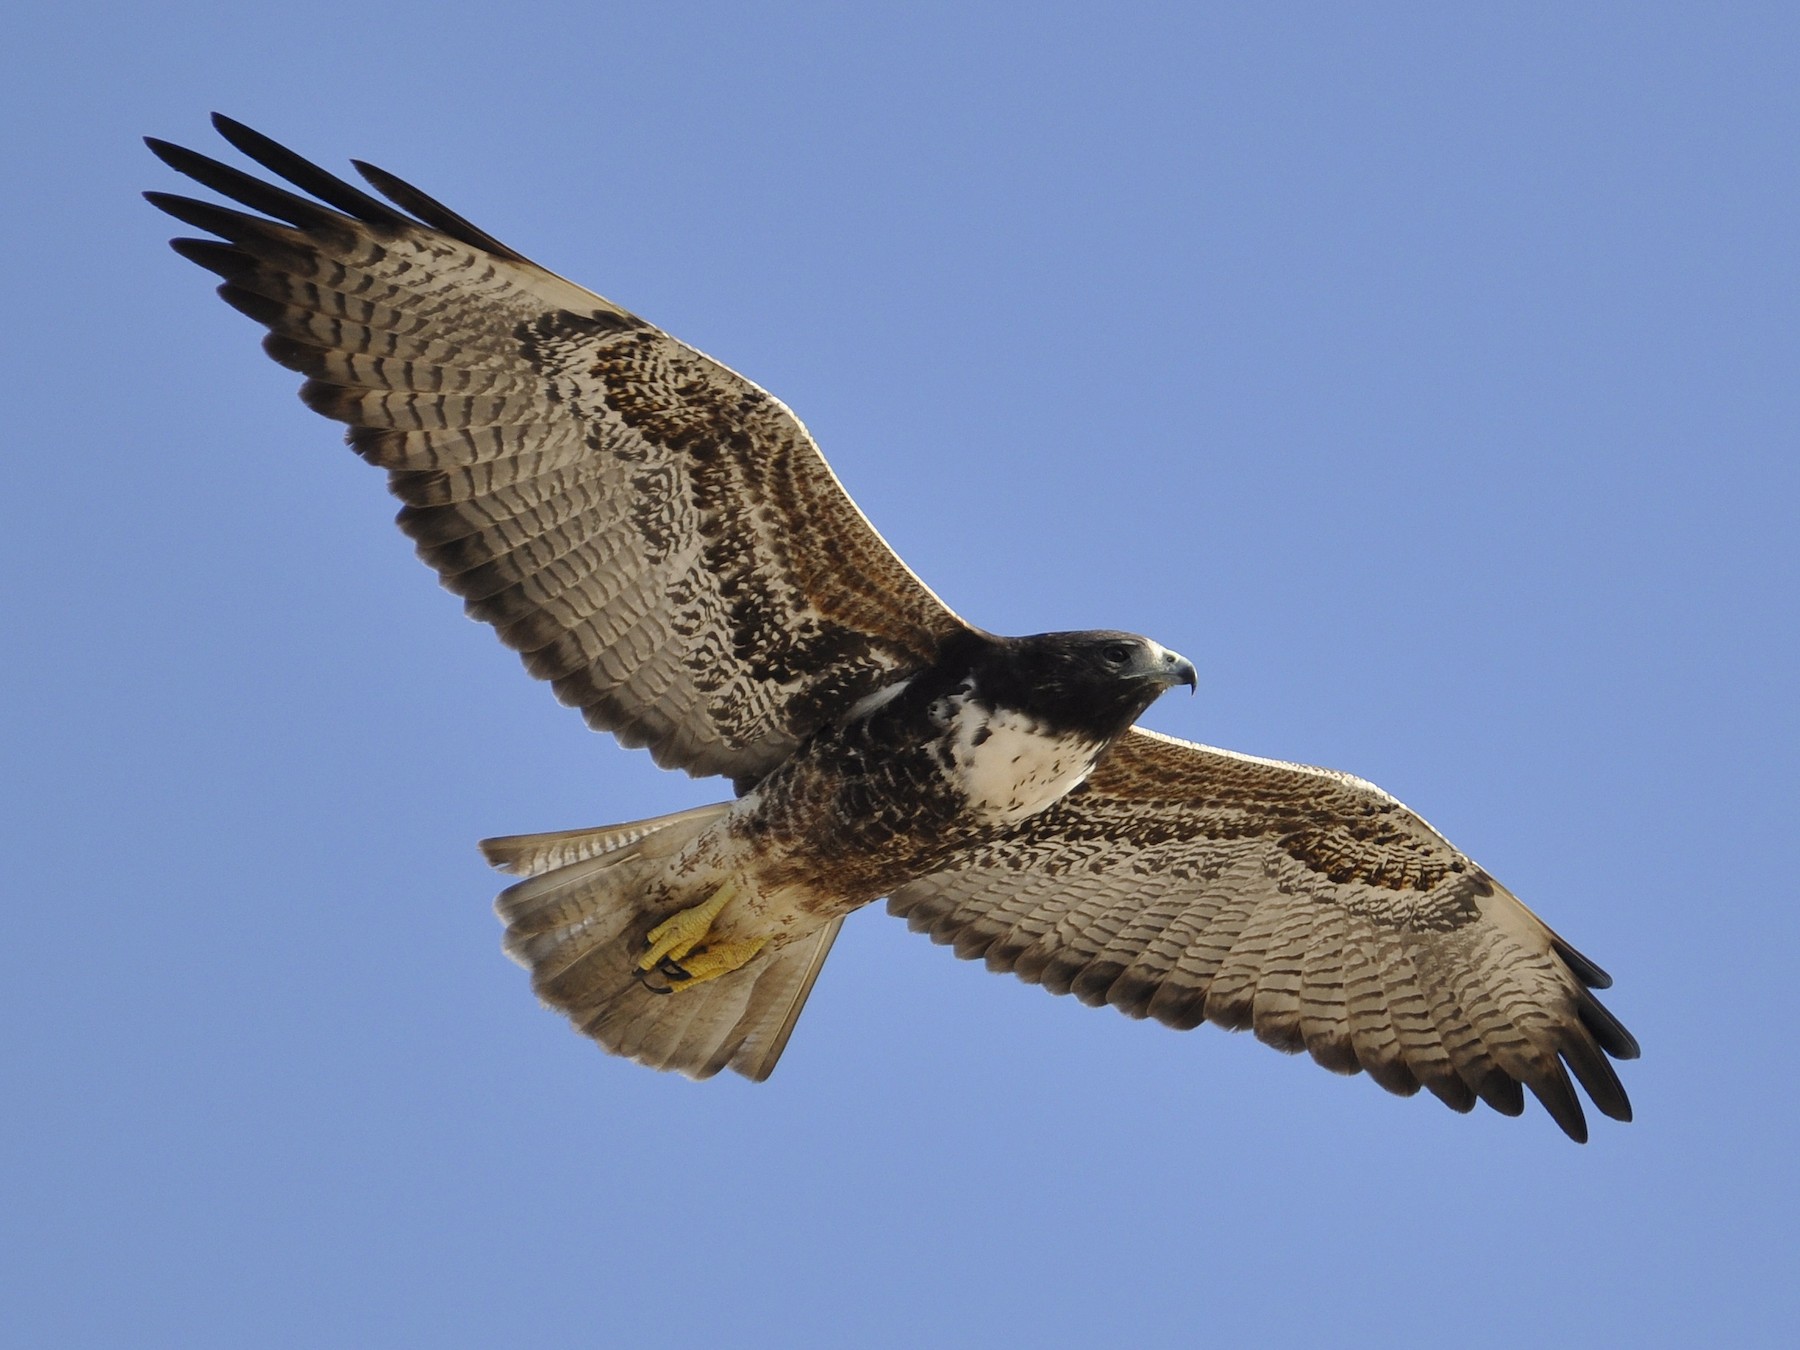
(621,508)
(1190,884)
(662,541)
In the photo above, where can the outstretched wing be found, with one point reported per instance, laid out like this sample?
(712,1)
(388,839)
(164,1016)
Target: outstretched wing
(655,535)
(1188,884)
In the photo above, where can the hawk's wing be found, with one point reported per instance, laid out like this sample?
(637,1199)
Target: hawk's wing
(1189,884)
(658,537)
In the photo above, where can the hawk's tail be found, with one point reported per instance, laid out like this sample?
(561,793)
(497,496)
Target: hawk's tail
(580,918)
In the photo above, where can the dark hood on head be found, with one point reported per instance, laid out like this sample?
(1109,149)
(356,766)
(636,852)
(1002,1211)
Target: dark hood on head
(1096,683)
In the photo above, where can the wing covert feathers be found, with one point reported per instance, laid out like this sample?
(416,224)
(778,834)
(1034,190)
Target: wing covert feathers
(658,538)
(1308,907)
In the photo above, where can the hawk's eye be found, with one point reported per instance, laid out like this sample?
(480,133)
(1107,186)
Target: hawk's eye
(1117,654)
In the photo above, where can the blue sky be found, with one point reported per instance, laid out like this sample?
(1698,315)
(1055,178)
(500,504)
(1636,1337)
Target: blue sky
(1426,373)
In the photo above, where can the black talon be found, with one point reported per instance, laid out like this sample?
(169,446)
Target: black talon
(643,978)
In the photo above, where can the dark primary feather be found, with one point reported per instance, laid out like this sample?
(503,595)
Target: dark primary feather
(305,175)
(1190,884)
(658,538)
(432,211)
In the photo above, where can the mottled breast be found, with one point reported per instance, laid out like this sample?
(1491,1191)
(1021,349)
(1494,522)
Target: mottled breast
(1006,764)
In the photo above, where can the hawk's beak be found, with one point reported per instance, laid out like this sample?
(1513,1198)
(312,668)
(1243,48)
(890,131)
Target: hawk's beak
(1181,671)
(1172,668)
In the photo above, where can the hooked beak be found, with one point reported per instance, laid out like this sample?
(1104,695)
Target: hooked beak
(1172,668)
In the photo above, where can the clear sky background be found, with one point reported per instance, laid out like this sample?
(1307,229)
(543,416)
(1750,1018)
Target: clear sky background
(1425,372)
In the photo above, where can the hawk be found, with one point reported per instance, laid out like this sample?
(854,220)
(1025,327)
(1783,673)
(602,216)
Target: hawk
(662,541)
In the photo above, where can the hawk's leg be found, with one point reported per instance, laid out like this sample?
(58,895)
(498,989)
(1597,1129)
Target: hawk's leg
(712,961)
(673,946)
(679,934)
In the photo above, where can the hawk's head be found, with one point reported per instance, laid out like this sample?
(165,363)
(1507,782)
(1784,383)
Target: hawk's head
(1096,683)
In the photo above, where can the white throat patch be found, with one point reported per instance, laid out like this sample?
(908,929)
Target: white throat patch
(1008,766)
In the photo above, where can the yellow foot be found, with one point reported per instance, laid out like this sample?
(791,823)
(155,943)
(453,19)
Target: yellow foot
(719,959)
(679,934)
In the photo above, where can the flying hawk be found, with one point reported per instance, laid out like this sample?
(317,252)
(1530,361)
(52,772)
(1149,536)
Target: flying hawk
(662,541)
